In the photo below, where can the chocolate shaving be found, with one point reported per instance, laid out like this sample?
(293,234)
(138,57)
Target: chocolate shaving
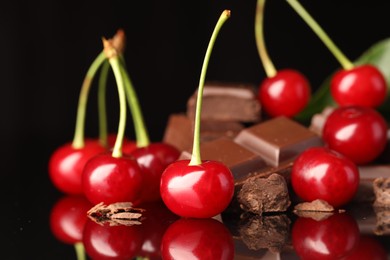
(120,213)
(317,210)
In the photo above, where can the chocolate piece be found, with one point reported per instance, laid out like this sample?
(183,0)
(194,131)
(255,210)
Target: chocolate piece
(264,195)
(238,159)
(382,225)
(179,131)
(270,232)
(278,139)
(121,213)
(227,102)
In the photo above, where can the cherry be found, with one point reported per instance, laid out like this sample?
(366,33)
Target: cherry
(332,238)
(153,159)
(197,239)
(359,133)
(68,217)
(282,93)
(102,241)
(368,248)
(110,179)
(362,85)
(195,188)
(128,146)
(285,94)
(321,173)
(113,177)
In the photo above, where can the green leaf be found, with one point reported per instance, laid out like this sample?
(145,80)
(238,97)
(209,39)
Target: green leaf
(377,55)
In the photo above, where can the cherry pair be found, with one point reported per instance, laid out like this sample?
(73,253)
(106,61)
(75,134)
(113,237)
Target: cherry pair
(112,177)
(287,92)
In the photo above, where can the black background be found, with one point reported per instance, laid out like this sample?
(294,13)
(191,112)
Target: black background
(47,46)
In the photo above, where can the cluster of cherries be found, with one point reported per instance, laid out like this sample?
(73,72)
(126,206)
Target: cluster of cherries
(354,134)
(139,172)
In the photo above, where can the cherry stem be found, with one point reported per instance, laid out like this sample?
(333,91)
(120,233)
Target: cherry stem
(78,139)
(80,251)
(343,60)
(142,137)
(260,43)
(112,56)
(196,158)
(102,104)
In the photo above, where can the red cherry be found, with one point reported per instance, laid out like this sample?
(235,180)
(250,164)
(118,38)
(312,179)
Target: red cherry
(363,85)
(67,163)
(320,173)
(111,242)
(198,191)
(360,133)
(197,239)
(368,248)
(284,94)
(109,179)
(68,217)
(331,238)
(153,159)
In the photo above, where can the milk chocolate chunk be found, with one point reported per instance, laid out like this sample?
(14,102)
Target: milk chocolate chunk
(382,192)
(179,131)
(227,102)
(368,174)
(278,139)
(264,195)
(238,159)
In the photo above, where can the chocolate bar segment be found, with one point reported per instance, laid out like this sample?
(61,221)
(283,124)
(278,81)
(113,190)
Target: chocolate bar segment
(227,102)
(238,159)
(179,131)
(278,139)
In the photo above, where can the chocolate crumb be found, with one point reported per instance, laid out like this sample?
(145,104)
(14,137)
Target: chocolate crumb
(316,205)
(382,192)
(264,195)
(120,213)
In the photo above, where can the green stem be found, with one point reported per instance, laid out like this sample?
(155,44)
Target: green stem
(116,67)
(80,251)
(196,158)
(102,104)
(260,43)
(142,137)
(343,60)
(78,139)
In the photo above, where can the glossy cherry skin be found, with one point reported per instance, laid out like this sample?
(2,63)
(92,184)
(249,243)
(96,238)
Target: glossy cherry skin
(153,159)
(67,163)
(285,94)
(332,238)
(109,179)
(363,85)
(360,133)
(197,239)
(111,242)
(197,191)
(368,248)
(68,217)
(321,173)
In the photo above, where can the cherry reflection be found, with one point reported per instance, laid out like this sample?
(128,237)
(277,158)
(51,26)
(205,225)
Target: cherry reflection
(192,239)
(333,237)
